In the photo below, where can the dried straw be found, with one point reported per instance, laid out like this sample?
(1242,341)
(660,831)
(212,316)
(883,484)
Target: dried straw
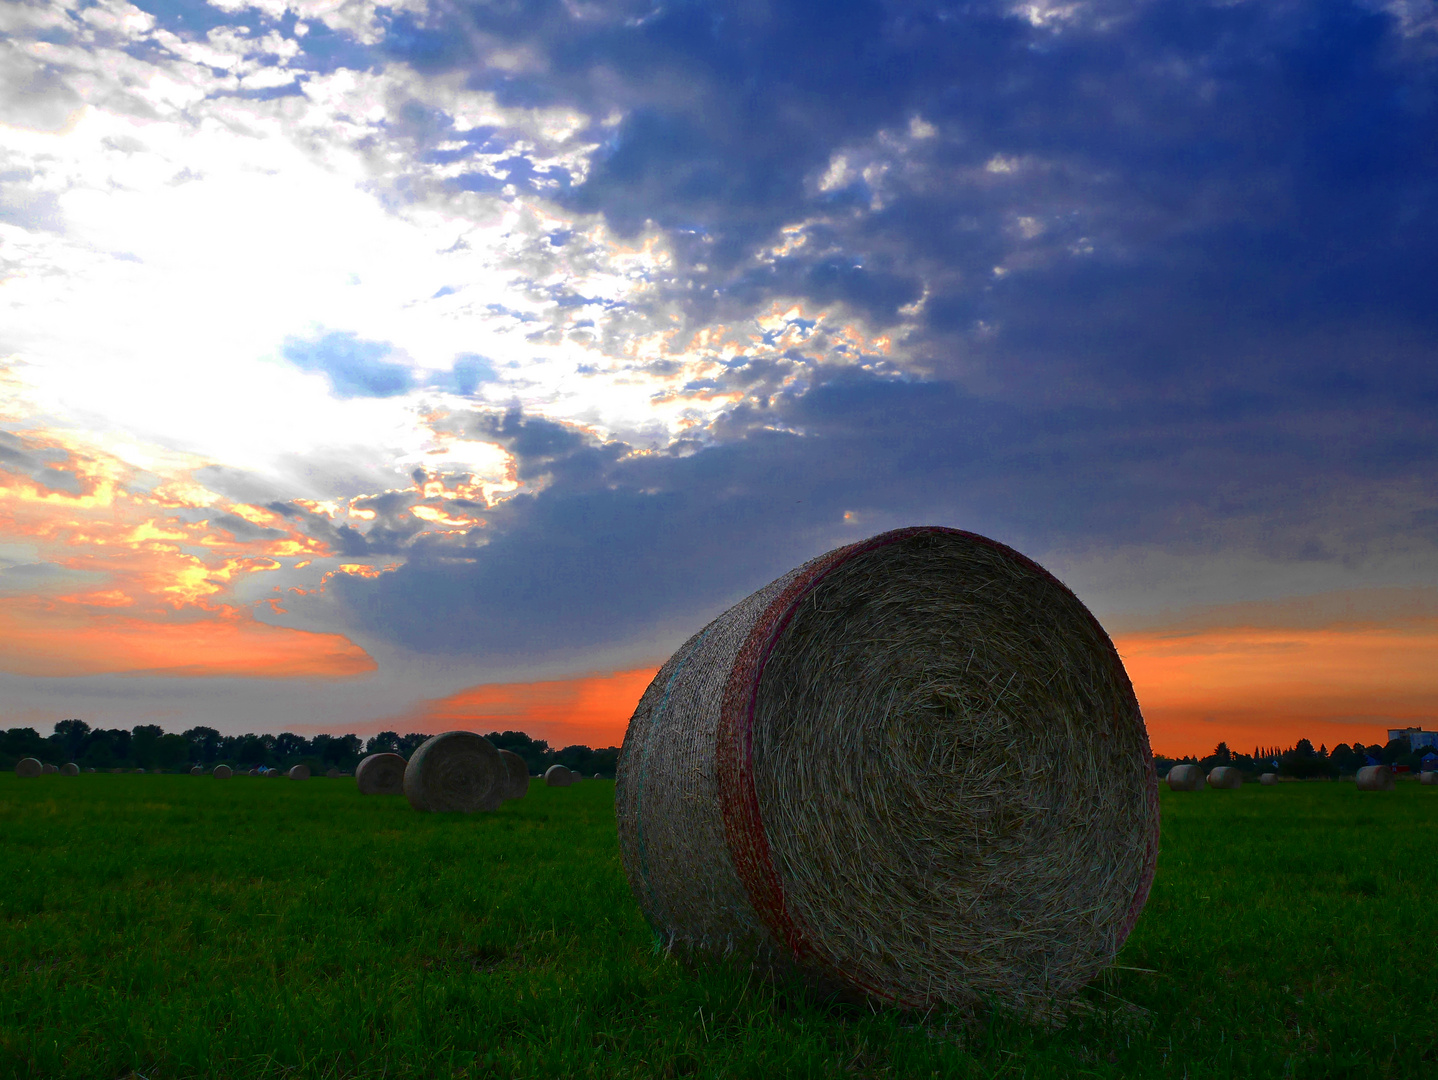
(299,772)
(223,772)
(913,770)
(457,771)
(381,774)
(28,768)
(69,769)
(1185,778)
(558,776)
(1375,778)
(1225,778)
(516,775)
(1268,779)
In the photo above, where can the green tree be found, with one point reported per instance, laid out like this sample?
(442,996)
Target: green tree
(72,733)
(206,741)
(173,751)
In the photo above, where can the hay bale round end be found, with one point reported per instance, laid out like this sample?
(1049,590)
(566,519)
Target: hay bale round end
(197,770)
(516,775)
(27,768)
(1268,779)
(558,776)
(1429,777)
(456,772)
(1225,778)
(1375,778)
(1185,778)
(850,775)
(69,769)
(223,772)
(299,772)
(381,774)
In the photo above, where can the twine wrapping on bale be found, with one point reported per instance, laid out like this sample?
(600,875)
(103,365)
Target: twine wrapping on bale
(381,774)
(223,772)
(1225,778)
(516,775)
(1185,778)
(1375,778)
(28,768)
(1268,779)
(558,776)
(458,771)
(913,769)
(299,772)
(1429,777)
(69,769)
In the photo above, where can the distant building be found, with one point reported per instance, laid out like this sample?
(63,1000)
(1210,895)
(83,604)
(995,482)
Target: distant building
(1416,737)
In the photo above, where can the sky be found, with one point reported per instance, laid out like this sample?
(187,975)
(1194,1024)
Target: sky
(423,365)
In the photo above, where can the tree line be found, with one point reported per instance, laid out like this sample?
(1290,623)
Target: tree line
(150,747)
(1302,762)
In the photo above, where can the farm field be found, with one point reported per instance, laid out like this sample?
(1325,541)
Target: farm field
(177,926)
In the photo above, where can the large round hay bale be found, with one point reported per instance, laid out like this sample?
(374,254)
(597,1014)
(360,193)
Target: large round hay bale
(457,771)
(1375,778)
(299,772)
(28,768)
(197,770)
(69,769)
(516,773)
(381,774)
(1185,778)
(558,776)
(49,769)
(332,773)
(913,769)
(1268,779)
(1225,778)
(223,772)
(1429,777)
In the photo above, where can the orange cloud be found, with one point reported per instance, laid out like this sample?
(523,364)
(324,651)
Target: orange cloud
(1264,685)
(590,709)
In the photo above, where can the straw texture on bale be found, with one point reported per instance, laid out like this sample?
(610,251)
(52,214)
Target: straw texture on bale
(458,771)
(28,767)
(851,775)
(197,770)
(223,772)
(1429,777)
(1185,778)
(299,772)
(1375,778)
(1268,779)
(558,776)
(516,775)
(1225,778)
(381,774)
(69,769)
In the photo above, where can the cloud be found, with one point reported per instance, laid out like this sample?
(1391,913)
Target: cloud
(354,368)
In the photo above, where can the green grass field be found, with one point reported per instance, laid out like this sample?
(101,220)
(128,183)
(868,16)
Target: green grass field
(175,926)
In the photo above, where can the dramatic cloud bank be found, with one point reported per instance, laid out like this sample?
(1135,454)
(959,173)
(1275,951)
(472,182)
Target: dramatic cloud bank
(470,343)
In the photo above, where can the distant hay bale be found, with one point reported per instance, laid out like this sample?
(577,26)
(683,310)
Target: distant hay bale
(1268,779)
(332,773)
(253,772)
(558,776)
(91,769)
(69,769)
(299,772)
(197,770)
(49,769)
(381,774)
(516,772)
(223,772)
(1429,777)
(912,770)
(1225,778)
(1375,778)
(457,771)
(1185,778)
(139,770)
(27,768)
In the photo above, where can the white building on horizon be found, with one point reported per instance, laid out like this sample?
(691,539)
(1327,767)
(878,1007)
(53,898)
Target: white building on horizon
(1416,737)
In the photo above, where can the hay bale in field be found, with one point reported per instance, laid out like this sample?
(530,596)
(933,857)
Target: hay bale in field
(1225,778)
(48,769)
(516,774)
(69,769)
(299,772)
(91,769)
(1375,778)
(223,772)
(457,771)
(332,773)
(1185,778)
(197,770)
(1429,777)
(27,768)
(139,770)
(1268,779)
(558,776)
(851,775)
(381,774)
(253,772)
